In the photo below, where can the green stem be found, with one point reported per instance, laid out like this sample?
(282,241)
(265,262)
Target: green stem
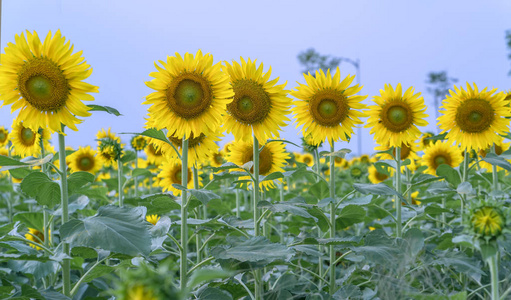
(119,182)
(45,212)
(77,285)
(197,236)
(463,179)
(66,263)
(494,271)
(184,216)
(494,172)
(237,203)
(398,190)
(257,273)
(332,220)
(136,179)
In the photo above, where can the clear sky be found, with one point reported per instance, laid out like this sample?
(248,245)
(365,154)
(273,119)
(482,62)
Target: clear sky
(396,41)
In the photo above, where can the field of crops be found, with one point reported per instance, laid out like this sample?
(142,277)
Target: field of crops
(166,213)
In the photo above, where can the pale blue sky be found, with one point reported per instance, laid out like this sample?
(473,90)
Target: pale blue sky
(396,41)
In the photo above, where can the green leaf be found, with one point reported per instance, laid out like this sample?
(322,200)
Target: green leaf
(30,219)
(452,176)
(415,241)
(207,274)
(435,209)
(290,207)
(77,180)
(42,188)
(108,109)
(204,196)
(322,219)
(320,189)
(253,250)
(8,163)
(36,268)
(340,153)
(120,230)
(20,173)
(350,215)
(210,293)
(377,189)
(272,176)
(155,134)
(159,232)
(141,172)
(437,137)
(495,160)
(128,156)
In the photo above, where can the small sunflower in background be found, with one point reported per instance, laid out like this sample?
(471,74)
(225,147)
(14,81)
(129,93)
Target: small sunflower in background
(340,162)
(307,159)
(153,219)
(154,153)
(259,106)
(45,81)
(216,159)
(408,151)
(84,159)
(4,136)
(191,94)
(500,147)
(395,117)
(327,107)
(474,119)
(25,141)
(35,236)
(107,134)
(441,153)
(377,175)
(271,159)
(170,173)
(138,142)
(425,140)
(357,170)
(109,152)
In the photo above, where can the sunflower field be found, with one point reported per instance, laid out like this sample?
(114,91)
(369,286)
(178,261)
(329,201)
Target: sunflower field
(172,215)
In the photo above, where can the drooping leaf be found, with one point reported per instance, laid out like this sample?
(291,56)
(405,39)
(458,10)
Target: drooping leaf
(42,188)
(377,189)
(108,109)
(77,180)
(452,176)
(351,214)
(120,230)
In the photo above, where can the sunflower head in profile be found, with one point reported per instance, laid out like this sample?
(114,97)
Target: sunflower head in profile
(488,221)
(271,159)
(84,159)
(107,135)
(25,141)
(377,175)
(4,136)
(45,81)
(500,147)
(425,140)
(170,173)
(474,119)
(109,152)
(328,107)
(441,153)
(259,106)
(154,152)
(396,115)
(138,142)
(191,94)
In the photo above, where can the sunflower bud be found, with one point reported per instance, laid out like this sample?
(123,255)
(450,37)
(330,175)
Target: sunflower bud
(487,222)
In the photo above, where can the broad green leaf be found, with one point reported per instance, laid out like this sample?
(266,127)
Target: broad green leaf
(108,109)
(42,188)
(378,189)
(75,203)
(452,176)
(340,153)
(498,161)
(141,172)
(214,294)
(30,219)
(350,215)
(415,240)
(252,250)
(322,219)
(77,180)
(320,189)
(155,134)
(159,232)
(272,176)
(20,173)
(332,241)
(290,207)
(36,268)
(7,163)
(120,230)
(207,274)
(204,196)
(128,156)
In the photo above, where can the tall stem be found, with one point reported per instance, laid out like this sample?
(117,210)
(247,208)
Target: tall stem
(119,182)
(464,178)
(46,234)
(136,167)
(495,172)
(237,203)
(494,271)
(184,216)
(66,263)
(197,235)
(332,220)
(320,234)
(257,284)
(398,189)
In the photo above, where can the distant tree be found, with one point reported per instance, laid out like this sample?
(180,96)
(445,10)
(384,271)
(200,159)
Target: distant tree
(439,85)
(312,60)
(508,43)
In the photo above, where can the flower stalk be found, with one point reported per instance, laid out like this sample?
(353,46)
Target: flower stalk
(184,216)
(398,190)
(66,263)
(332,220)
(257,273)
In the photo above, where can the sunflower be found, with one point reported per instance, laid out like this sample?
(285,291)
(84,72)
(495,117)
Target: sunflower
(190,95)
(425,141)
(107,134)
(154,153)
(216,159)
(139,142)
(395,117)
(44,80)
(441,153)
(474,119)
(407,152)
(170,173)
(139,292)
(35,236)
(307,159)
(4,136)
(488,221)
(84,159)
(357,170)
(153,219)
(327,107)
(376,176)
(259,106)
(108,155)
(500,147)
(200,148)
(25,141)
(340,162)
(271,159)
